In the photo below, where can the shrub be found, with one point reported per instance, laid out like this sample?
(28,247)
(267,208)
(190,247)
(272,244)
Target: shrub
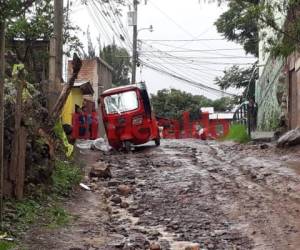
(65,176)
(238,133)
(5,245)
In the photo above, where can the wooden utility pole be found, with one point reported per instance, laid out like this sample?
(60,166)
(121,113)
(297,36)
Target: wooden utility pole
(134,47)
(56,52)
(58,32)
(2,72)
(18,154)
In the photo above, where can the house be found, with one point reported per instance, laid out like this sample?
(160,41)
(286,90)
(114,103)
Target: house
(99,75)
(215,124)
(76,97)
(97,72)
(278,88)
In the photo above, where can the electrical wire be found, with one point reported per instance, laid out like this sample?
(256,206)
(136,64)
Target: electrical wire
(100,11)
(177,69)
(190,82)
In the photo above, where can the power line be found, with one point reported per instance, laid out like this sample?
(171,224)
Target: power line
(193,83)
(98,23)
(191,73)
(171,19)
(207,62)
(107,21)
(114,17)
(206,57)
(195,50)
(189,40)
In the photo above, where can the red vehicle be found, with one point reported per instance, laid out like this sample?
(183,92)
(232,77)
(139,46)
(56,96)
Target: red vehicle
(128,117)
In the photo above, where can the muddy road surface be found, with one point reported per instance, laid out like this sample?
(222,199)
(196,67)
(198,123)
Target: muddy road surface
(187,194)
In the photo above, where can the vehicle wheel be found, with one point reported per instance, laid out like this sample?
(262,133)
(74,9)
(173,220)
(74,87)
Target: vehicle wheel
(127,146)
(157,141)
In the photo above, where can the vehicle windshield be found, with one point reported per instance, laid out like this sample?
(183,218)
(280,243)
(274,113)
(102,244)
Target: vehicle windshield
(120,103)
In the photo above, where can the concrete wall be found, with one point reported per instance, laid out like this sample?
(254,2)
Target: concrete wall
(104,83)
(105,76)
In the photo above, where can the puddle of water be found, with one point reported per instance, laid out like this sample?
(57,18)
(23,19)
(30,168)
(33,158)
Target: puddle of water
(174,245)
(295,165)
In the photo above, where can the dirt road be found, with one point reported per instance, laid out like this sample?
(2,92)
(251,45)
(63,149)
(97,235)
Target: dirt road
(217,195)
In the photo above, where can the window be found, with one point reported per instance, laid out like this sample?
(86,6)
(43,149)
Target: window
(122,102)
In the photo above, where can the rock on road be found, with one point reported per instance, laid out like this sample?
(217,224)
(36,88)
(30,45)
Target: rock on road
(190,194)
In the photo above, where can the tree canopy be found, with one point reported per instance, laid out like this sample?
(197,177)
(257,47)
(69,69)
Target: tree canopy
(238,77)
(244,19)
(171,103)
(240,25)
(119,59)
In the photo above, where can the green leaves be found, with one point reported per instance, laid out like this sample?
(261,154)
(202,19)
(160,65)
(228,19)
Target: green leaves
(239,24)
(119,59)
(237,77)
(171,103)
(277,21)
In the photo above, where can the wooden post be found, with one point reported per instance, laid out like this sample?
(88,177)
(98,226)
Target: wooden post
(16,166)
(2,72)
(58,32)
(20,175)
(56,52)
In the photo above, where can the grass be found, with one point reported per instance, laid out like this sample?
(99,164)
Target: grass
(57,216)
(6,245)
(65,177)
(45,210)
(27,211)
(238,133)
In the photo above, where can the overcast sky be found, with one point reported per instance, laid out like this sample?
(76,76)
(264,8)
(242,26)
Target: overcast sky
(199,59)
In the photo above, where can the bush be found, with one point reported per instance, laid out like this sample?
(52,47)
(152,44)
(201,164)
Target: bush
(65,176)
(238,133)
(57,216)
(5,245)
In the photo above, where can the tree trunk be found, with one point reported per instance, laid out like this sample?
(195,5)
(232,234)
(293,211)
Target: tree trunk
(2,70)
(20,176)
(16,166)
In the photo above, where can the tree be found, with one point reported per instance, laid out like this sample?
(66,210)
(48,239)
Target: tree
(91,52)
(119,59)
(31,24)
(237,77)
(171,103)
(36,22)
(12,8)
(245,18)
(224,104)
(239,24)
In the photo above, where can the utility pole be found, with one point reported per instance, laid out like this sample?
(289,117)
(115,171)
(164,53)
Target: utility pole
(58,32)
(134,47)
(55,55)
(2,72)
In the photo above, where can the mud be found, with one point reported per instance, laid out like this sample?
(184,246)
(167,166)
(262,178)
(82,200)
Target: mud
(215,195)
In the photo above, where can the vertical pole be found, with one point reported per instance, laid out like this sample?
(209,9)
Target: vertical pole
(55,59)
(15,162)
(248,120)
(58,32)
(134,47)
(2,71)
